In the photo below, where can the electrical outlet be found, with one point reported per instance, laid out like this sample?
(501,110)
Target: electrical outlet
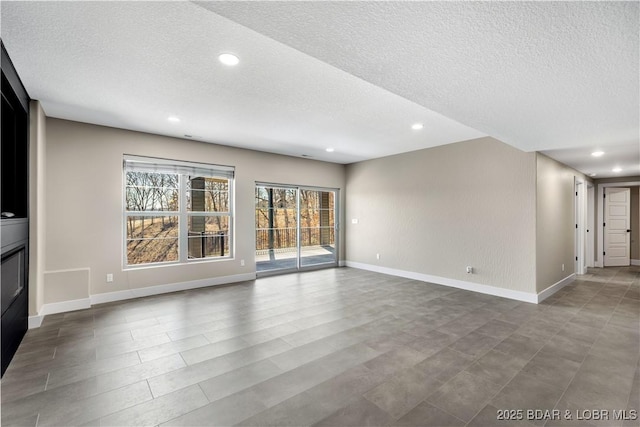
(241,263)
(109,278)
(354,220)
(377,256)
(562,267)
(469,269)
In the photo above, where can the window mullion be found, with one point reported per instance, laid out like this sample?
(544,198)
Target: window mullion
(299,229)
(183,219)
(232,216)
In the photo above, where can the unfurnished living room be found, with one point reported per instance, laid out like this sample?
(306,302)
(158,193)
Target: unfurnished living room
(297,213)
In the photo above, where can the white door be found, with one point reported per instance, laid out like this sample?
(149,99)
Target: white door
(590,226)
(617,227)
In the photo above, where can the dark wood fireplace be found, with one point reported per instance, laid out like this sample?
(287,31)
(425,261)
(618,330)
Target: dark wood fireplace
(14,302)
(14,218)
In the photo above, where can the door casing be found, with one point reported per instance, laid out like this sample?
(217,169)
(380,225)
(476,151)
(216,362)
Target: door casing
(599,225)
(580,229)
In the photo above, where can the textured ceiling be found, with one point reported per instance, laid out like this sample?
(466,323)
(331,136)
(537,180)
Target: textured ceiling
(133,64)
(624,156)
(536,75)
(556,76)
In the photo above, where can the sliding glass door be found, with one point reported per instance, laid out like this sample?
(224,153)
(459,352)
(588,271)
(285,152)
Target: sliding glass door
(276,228)
(317,227)
(295,228)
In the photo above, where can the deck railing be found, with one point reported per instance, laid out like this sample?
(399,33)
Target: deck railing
(284,238)
(207,244)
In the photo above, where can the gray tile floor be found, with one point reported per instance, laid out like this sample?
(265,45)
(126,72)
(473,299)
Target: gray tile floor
(335,347)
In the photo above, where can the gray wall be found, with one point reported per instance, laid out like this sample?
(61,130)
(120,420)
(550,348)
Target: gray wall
(84,198)
(437,210)
(37,205)
(482,203)
(555,221)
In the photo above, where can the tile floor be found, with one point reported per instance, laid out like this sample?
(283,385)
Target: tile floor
(335,347)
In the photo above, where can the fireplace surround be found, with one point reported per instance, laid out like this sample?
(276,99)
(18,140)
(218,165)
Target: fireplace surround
(14,210)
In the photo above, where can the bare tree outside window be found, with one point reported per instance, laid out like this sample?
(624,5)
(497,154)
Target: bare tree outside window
(152,235)
(276,216)
(171,215)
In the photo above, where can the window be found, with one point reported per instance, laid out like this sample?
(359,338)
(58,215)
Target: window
(209,216)
(176,211)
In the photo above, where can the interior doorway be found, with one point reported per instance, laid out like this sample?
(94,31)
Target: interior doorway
(580,229)
(296,228)
(600,227)
(617,227)
(591,225)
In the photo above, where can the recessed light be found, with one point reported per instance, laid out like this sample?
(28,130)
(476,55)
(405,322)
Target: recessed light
(597,153)
(417,126)
(593,174)
(330,150)
(173,119)
(228,59)
(617,169)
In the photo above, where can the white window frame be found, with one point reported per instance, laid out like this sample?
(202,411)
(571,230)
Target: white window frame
(183,170)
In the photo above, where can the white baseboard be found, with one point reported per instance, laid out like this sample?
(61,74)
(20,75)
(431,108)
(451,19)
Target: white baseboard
(35,321)
(633,262)
(460,284)
(64,306)
(79,304)
(556,287)
(164,289)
